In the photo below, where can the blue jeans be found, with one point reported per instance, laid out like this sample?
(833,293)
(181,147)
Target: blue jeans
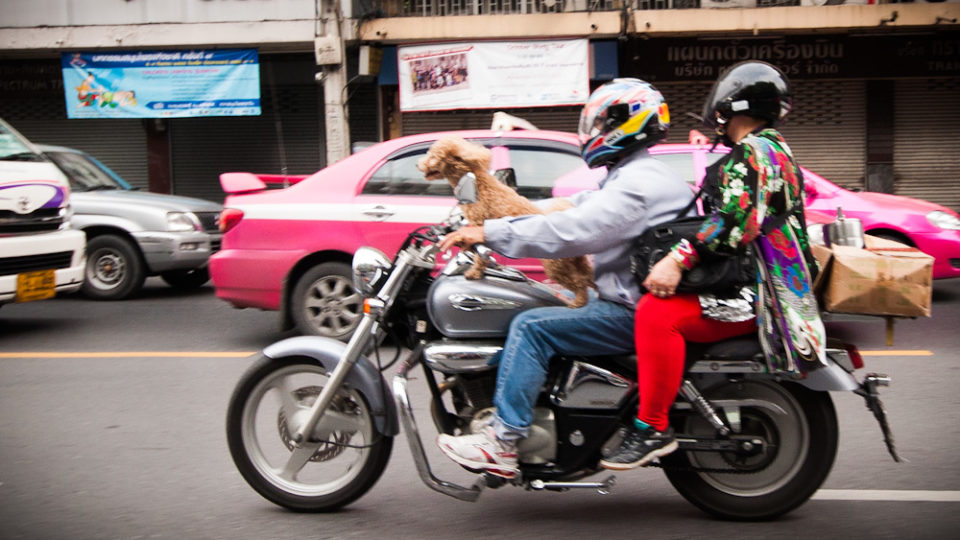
(539,334)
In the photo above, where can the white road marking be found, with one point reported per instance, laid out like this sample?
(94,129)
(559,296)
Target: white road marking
(896,495)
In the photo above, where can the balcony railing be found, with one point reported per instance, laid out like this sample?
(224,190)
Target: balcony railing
(434,8)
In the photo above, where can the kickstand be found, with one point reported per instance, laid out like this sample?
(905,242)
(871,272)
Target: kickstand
(868,390)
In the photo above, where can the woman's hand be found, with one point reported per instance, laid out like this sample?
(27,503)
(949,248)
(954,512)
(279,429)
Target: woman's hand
(463,238)
(664,277)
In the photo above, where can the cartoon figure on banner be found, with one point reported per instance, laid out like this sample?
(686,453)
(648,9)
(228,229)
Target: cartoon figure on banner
(118,98)
(90,93)
(87,95)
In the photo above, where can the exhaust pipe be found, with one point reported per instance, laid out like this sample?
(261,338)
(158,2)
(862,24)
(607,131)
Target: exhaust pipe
(402,399)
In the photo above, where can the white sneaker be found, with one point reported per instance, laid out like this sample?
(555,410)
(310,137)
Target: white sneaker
(482,451)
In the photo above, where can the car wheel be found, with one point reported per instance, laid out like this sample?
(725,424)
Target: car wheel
(892,236)
(324,302)
(187,279)
(114,268)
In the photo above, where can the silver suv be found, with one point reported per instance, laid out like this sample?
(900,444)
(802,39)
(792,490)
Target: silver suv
(133,234)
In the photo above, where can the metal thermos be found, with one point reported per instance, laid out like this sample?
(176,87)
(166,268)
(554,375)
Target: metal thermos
(844,231)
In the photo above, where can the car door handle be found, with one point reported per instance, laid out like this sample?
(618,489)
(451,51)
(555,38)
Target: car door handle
(379,211)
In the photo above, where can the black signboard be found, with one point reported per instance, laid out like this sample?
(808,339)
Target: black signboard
(800,57)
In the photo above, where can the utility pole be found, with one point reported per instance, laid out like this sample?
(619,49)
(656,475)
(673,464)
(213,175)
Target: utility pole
(330,56)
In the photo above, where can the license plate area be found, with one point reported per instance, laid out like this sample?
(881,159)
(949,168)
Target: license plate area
(36,285)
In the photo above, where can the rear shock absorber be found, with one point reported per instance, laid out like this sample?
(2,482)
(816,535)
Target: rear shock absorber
(691,394)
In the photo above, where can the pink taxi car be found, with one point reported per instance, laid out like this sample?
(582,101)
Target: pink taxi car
(931,228)
(290,249)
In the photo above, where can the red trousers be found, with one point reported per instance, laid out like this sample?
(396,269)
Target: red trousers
(662,326)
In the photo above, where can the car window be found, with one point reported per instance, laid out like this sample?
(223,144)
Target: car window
(682,163)
(84,174)
(713,157)
(399,176)
(13,149)
(538,167)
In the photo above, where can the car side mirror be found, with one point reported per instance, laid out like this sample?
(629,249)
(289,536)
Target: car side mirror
(466,189)
(507,176)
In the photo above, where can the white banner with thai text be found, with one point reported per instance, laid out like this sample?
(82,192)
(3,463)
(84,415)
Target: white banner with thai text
(494,74)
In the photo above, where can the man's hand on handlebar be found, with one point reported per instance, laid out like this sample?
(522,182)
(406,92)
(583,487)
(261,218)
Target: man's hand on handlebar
(462,238)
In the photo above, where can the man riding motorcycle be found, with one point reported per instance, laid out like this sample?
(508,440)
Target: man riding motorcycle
(620,120)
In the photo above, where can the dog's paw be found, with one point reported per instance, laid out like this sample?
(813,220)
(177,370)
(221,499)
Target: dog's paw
(580,299)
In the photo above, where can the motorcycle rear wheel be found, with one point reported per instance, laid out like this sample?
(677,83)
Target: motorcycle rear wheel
(343,460)
(801,434)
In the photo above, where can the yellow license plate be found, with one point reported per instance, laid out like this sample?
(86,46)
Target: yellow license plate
(36,285)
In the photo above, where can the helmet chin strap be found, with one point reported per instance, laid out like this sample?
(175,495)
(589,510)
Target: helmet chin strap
(716,141)
(721,134)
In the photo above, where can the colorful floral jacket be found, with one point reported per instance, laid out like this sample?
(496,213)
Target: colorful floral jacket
(758,179)
(756,183)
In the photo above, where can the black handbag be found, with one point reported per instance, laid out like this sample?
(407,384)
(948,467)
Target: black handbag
(717,274)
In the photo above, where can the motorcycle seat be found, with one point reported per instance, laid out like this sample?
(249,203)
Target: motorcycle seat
(736,348)
(741,348)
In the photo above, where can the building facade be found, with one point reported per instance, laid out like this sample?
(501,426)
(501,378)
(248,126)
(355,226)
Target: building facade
(877,86)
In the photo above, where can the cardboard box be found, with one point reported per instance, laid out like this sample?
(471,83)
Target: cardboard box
(885,278)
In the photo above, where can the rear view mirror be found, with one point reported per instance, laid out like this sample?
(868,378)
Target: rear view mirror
(507,176)
(466,189)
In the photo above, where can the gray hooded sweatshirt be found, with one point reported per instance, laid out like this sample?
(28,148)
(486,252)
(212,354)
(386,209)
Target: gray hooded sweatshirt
(637,193)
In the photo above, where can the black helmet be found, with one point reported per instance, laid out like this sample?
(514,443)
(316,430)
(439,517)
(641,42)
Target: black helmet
(753,88)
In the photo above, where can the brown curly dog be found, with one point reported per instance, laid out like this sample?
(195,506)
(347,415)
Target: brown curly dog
(452,157)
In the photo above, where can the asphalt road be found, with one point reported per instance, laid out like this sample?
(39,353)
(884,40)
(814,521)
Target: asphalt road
(111,426)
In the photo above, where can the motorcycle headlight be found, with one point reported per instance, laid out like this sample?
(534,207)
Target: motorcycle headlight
(943,220)
(370,267)
(182,222)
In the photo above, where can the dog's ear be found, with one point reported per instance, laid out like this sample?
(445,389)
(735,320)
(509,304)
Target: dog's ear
(435,158)
(446,147)
(475,156)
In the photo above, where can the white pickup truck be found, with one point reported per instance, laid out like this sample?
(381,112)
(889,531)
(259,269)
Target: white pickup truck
(40,254)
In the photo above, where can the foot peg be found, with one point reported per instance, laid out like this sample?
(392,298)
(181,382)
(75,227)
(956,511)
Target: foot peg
(603,488)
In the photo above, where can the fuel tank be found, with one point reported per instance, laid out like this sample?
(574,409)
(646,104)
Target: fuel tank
(483,308)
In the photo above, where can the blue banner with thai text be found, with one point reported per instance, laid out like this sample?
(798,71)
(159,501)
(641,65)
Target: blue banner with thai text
(161,84)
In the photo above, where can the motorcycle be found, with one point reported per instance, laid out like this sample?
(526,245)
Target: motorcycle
(311,423)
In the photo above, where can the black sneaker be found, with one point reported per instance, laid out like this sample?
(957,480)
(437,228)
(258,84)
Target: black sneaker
(640,447)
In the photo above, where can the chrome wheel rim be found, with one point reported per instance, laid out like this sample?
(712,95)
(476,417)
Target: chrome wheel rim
(784,428)
(332,306)
(338,448)
(106,269)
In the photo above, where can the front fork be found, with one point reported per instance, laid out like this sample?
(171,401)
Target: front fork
(365,333)
(366,328)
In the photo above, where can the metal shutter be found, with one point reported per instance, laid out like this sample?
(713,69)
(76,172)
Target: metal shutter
(119,143)
(684,99)
(927,124)
(364,116)
(826,128)
(553,118)
(202,148)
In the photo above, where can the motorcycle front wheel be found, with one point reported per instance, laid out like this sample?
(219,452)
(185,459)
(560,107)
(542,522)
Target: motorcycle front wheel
(343,458)
(800,434)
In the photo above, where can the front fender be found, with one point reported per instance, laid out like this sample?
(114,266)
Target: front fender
(364,376)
